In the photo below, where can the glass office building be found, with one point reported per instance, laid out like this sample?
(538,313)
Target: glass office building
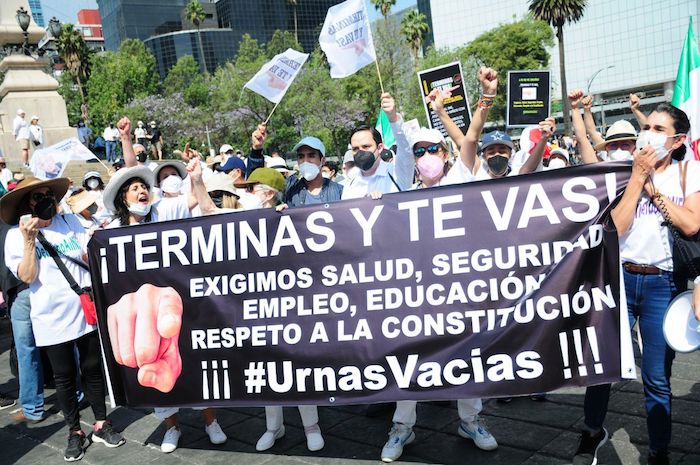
(260,18)
(37,12)
(138,19)
(219,46)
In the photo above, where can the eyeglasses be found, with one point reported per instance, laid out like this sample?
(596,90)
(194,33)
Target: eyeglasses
(420,151)
(250,188)
(624,145)
(39,196)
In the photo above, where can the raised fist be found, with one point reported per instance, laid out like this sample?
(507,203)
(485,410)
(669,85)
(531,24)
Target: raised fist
(257,139)
(489,80)
(575,97)
(388,104)
(587,102)
(144,328)
(547,127)
(634,102)
(124,126)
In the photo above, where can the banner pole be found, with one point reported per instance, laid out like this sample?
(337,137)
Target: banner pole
(270,115)
(376,63)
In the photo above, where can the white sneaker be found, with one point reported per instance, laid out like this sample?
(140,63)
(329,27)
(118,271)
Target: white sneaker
(314,440)
(399,436)
(268,439)
(476,431)
(216,435)
(170,440)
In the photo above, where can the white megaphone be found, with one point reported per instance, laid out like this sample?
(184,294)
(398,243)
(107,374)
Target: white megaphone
(681,329)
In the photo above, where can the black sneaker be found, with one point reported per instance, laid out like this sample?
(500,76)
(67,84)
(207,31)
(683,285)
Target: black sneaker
(107,436)
(658,458)
(587,452)
(76,446)
(6,402)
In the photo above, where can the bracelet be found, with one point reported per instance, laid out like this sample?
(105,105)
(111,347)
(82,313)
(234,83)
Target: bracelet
(488,95)
(485,102)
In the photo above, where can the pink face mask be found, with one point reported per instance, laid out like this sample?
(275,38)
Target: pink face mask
(431,168)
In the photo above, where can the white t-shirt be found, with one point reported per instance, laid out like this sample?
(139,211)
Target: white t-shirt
(458,174)
(165,209)
(56,313)
(380,181)
(20,128)
(647,242)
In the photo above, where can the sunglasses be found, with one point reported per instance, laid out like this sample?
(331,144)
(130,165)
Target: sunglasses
(39,196)
(420,151)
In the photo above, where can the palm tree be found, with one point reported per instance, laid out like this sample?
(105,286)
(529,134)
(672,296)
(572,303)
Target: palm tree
(414,28)
(194,12)
(557,13)
(75,54)
(384,7)
(295,3)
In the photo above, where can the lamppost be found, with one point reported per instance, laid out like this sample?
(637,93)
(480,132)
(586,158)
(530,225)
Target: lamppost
(23,19)
(602,102)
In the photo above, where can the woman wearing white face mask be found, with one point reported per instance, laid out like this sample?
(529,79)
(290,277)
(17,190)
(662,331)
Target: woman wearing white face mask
(619,141)
(653,194)
(558,158)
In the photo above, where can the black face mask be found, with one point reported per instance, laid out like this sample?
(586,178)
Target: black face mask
(45,209)
(364,159)
(218,200)
(498,165)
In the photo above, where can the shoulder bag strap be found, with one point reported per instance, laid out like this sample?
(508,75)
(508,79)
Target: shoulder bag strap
(394,181)
(61,266)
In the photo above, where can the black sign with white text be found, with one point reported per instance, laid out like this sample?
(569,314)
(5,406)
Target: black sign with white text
(528,98)
(457,105)
(485,289)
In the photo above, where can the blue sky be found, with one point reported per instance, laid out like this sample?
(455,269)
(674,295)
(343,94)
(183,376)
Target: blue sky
(67,10)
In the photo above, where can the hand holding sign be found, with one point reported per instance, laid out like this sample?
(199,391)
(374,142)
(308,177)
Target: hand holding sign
(257,139)
(437,96)
(144,327)
(488,78)
(388,104)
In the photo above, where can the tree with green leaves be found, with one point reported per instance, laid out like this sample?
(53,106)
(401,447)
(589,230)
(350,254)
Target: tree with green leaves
(384,7)
(194,12)
(75,53)
(557,13)
(118,77)
(414,27)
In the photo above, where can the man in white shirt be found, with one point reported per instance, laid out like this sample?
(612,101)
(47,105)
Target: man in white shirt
(377,176)
(111,136)
(20,131)
(5,173)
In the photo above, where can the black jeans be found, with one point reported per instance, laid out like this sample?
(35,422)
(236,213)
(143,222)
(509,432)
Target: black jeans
(62,358)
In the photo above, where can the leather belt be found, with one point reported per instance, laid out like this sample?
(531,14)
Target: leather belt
(640,269)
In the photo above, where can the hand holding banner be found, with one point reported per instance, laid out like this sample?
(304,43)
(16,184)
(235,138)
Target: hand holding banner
(275,77)
(346,38)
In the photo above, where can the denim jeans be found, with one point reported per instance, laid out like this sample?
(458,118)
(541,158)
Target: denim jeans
(111,150)
(648,297)
(31,375)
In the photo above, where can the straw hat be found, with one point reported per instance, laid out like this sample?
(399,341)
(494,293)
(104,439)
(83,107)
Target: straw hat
(119,178)
(81,201)
(619,130)
(13,205)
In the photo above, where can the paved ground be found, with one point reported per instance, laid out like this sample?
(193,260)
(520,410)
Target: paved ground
(530,433)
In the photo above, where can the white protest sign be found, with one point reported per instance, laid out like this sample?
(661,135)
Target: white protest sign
(275,77)
(346,38)
(50,162)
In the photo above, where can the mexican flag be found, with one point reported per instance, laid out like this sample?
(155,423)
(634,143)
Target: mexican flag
(686,93)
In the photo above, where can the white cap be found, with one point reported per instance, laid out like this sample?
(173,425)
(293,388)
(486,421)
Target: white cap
(20,111)
(349,156)
(225,148)
(427,135)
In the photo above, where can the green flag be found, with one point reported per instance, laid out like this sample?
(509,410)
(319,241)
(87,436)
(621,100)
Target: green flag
(384,128)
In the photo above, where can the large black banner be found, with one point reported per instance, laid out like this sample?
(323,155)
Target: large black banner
(484,289)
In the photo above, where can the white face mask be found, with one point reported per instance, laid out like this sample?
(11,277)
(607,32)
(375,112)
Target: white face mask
(620,155)
(326,175)
(139,209)
(309,171)
(93,183)
(656,140)
(172,184)
(353,172)
(556,163)
(250,201)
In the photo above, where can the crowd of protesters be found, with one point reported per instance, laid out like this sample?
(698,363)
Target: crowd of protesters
(46,226)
